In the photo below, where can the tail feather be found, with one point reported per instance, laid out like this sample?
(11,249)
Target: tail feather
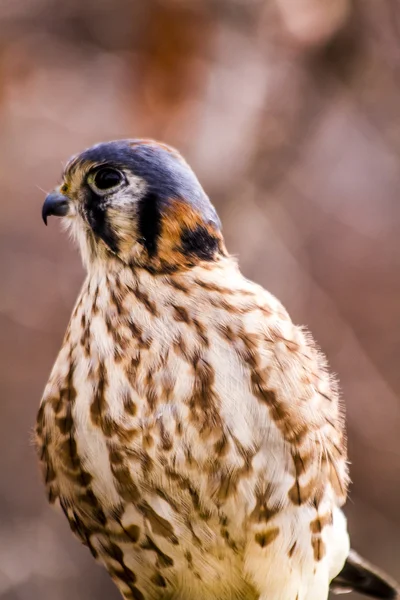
(360,576)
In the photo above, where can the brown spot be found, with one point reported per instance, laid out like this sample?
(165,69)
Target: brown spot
(148,441)
(262,512)
(117,512)
(227,332)
(52,495)
(167,499)
(181,348)
(168,385)
(151,392)
(129,406)
(165,437)
(68,453)
(213,287)
(163,559)
(227,484)
(85,478)
(266,395)
(158,524)
(126,487)
(266,537)
(292,549)
(181,314)
(320,522)
(178,426)
(194,494)
(143,297)
(318,547)
(56,402)
(108,323)
(291,345)
(294,431)
(178,285)
(248,293)
(134,594)
(126,435)
(50,473)
(121,345)
(223,520)
(299,494)
(115,552)
(65,424)
(146,462)
(221,447)
(201,331)
(95,309)
(89,498)
(114,300)
(132,367)
(186,484)
(163,267)
(99,403)
(301,461)
(282,413)
(195,538)
(158,580)
(225,305)
(116,457)
(251,342)
(96,511)
(109,426)
(133,531)
(137,333)
(203,401)
(85,337)
(78,527)
(228,540)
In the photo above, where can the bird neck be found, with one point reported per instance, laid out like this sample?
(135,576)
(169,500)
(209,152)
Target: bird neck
(112,285)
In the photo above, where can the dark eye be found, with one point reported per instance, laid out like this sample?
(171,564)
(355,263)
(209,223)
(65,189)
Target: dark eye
(107,178)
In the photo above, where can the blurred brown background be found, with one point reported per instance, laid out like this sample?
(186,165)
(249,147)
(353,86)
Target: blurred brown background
(289,112)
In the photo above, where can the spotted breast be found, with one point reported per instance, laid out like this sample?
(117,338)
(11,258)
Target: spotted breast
(190,432)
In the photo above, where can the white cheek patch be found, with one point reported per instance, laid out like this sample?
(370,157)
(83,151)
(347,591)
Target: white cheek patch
(126,195)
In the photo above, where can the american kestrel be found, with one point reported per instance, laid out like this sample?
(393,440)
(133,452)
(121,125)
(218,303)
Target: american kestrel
(191,434)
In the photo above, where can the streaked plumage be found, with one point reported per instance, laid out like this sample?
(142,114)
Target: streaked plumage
(190,432)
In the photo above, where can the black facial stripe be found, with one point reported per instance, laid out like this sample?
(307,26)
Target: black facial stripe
(99,222)
(199,242)
(149,221)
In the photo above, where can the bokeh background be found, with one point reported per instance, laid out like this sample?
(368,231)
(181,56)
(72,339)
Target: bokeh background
(289,111)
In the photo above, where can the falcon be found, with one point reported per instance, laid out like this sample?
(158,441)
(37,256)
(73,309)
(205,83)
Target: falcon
(190,432)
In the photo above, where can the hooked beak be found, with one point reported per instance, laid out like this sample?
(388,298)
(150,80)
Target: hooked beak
(55,204)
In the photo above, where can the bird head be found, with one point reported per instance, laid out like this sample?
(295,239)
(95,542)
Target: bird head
(139,202)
